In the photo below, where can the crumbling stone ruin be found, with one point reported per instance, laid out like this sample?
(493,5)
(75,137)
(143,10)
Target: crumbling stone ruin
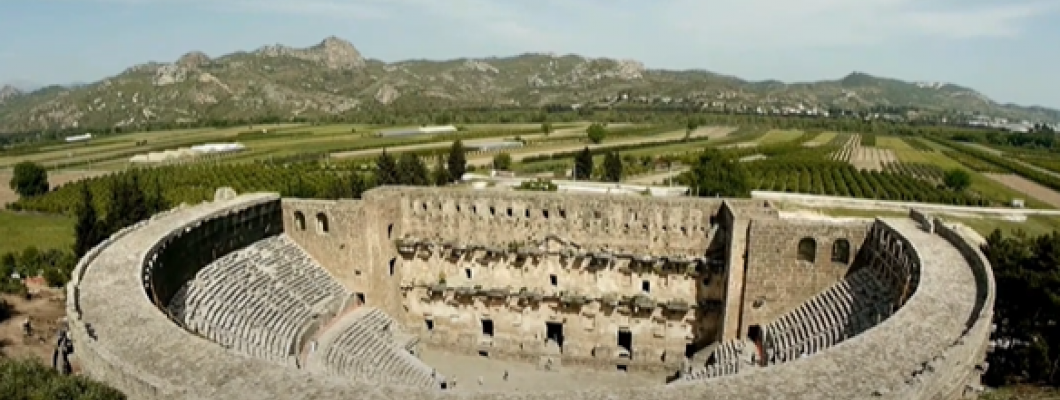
(257,296)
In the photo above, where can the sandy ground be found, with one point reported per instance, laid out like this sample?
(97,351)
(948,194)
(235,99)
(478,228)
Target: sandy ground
(45,310)
(1028,187)
(55,178)
(467,369)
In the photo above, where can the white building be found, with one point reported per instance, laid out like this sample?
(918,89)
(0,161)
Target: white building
(422,130)
(78,138)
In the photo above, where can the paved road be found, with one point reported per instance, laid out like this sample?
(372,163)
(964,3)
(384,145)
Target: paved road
(868,204)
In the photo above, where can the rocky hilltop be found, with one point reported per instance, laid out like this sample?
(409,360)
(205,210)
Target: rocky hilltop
(8,92)
(333,77)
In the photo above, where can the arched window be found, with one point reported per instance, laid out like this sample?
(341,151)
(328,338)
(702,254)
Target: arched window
(390,231)
(299,220)
(807,250)
(322,223)
(841,251)
(393,263)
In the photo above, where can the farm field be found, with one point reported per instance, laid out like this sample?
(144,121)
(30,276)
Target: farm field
(124,146)
(1028,187)
(519,155)
(821,139)
(864,157)
(981,147)
(779,136)
(55,179)
(109,153)
(21,230)
(940,157)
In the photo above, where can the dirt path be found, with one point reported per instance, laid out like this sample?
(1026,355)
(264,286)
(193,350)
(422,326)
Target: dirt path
(1028,187)
(45,310)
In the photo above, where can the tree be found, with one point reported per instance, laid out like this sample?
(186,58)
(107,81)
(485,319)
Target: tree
(385,169)
(612,167)
(957,179)
(457,161)
(412,171)
(1027,277)
(502,161)
(137,202)
(583,164)
(693,123)
(546,128)
(596,132)
(718,174)
(157,203)
(357,185)
(440,175)
(29,179)
(126,206)
(87,230)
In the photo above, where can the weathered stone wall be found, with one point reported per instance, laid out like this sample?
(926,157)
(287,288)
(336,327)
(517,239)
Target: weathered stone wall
(777,279)
(357,248)
(915,354)
(616,223)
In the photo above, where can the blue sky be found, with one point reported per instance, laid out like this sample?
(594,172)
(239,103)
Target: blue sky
(1007,49)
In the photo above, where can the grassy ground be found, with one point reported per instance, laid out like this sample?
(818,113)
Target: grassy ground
(1022,393)
(981,184)
(779,136)
(21,230)
(822,139)
(1034,225)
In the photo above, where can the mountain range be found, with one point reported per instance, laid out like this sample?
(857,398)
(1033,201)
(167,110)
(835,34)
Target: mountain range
(333,77)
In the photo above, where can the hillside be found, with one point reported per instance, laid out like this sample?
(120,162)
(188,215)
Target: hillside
(334,78)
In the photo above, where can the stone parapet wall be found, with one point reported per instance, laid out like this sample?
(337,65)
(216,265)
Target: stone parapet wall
(136,348)
(923,218)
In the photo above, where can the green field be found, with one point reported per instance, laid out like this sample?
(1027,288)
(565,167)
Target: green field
(778,136)
(985,186)
(822,139)
(21,230)
(110,153)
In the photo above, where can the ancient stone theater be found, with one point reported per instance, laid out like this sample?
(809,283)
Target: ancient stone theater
(434,293)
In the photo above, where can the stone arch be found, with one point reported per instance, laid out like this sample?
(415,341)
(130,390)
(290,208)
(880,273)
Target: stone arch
(322,223)
(299,220)
(807,249)
(841,251)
